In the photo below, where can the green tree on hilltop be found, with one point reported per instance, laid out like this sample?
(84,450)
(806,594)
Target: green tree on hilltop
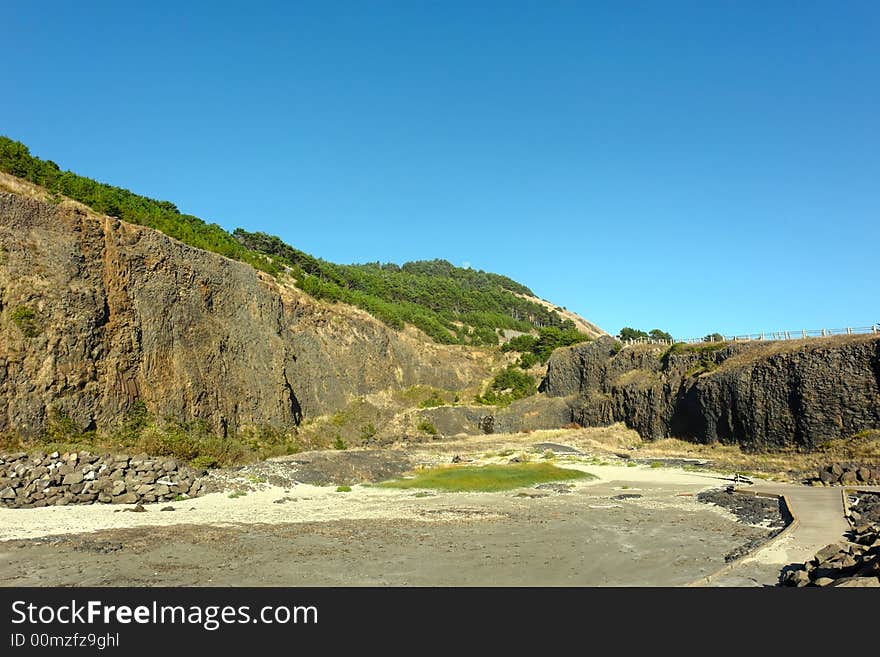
(628,333)
(657,334)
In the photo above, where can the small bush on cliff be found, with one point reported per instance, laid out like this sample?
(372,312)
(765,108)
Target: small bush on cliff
(135,421)
(204,462)
(10,442)
(368,432)
(705,365)
(26,321)
(188,441)
(434,400)
(703,348)
(265,441)
(427,427)
(62,430)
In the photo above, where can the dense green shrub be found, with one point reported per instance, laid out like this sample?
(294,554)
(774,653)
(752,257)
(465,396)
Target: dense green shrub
(521,343)
(629,333)
(508,385)
(434,400)
(702,348)
(368,432)
(537,349)
(427,427)
(193,441)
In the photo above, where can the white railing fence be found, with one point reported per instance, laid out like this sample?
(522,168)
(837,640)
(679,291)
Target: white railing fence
(766,336)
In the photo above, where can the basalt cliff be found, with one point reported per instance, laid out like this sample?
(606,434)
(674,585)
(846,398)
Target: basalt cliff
(796,393)
(98,315)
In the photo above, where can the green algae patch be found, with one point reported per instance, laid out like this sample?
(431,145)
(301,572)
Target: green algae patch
(488,478)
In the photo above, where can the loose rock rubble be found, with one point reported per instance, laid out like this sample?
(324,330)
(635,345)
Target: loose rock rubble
(848,474)
(852,564)
(747,508)
(41,479)
(555,487)
(864,508)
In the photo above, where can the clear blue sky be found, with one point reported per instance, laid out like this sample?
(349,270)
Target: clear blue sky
(693,166)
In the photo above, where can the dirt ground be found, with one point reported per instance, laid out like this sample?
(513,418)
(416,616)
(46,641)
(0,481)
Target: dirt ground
(635,525)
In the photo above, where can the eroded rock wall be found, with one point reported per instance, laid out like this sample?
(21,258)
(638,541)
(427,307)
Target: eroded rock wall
(756,394)
(97,315)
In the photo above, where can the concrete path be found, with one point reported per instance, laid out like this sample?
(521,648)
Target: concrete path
(821,521)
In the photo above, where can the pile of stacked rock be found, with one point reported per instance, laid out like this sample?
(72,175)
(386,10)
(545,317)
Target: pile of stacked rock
(849,474)
(856,563)
(40,479)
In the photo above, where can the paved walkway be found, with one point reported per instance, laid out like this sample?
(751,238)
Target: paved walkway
(820,521)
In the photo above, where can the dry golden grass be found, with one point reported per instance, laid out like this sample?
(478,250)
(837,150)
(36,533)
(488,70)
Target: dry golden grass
(639,378)
(580,323)
(648,347)
(753,351)
(20,187)
(781,464)
(864,447)
(27,189)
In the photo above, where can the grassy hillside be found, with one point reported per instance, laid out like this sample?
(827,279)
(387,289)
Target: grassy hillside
(450,304)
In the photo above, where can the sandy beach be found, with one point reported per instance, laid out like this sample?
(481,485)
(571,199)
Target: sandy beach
(632,525)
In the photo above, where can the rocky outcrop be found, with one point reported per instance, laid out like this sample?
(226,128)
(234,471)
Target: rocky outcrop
(41,479)
(529,414)
(851,564)
(757,394)
(97,315)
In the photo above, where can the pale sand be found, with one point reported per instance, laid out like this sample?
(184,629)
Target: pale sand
(323,504)
(385,537)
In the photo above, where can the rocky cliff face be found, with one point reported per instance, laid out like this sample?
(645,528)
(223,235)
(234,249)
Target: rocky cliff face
(97,314)
(757,394)
(529,414)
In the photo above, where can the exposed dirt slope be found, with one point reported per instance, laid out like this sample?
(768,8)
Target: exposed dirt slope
(580,323)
